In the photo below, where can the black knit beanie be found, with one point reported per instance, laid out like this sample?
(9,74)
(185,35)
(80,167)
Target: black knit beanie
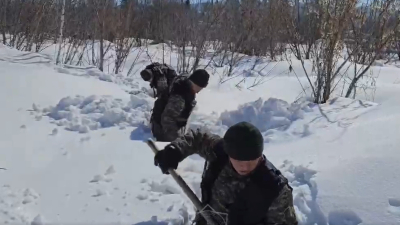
(200,77)
(244,142)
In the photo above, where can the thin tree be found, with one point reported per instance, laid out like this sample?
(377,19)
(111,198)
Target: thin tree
(60,39)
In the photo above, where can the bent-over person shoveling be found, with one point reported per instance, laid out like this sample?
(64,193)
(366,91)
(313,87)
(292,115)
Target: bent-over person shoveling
(238,180)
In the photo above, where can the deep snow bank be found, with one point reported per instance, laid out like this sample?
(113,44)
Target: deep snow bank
(83,114)
(14,56)
(127,83)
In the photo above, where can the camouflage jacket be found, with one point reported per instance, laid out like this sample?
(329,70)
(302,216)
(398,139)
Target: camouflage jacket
(180,103)
(229,183)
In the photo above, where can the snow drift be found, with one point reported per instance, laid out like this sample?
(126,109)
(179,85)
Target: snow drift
(270,114)
(83,114)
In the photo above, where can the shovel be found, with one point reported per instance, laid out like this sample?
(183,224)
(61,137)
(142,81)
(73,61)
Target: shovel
(193,198)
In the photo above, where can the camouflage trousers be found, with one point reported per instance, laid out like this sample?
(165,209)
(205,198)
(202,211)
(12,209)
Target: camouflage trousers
(157,131)
(159,134)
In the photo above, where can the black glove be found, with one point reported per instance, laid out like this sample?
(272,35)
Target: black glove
(146,74)
(168,158)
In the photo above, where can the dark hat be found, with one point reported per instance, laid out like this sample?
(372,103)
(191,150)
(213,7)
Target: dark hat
(244,142)
(200,77)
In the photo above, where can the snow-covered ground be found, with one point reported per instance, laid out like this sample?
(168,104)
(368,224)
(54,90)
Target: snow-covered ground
(72,151)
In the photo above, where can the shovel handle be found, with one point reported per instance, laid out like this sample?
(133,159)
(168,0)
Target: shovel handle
(193,198)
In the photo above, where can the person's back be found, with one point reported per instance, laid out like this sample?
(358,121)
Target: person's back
(160,76)
(174,104)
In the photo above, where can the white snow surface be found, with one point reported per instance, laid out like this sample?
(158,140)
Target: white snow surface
(72,150)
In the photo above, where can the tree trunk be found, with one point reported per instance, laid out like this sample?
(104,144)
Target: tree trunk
(352,86)
(101,53)
(101,63)
(93,53)
(4,37)
(4,22)
(327,92)
(308,51)
(61,32)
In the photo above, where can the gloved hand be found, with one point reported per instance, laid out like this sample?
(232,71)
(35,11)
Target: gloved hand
(146,74)
(168,158)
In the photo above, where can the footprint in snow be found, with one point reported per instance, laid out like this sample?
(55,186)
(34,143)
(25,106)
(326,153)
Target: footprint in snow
(144,180)
(165,187)
(35,107)
(99,193)
(99,177)
(340,217)
(27,201)
(54,131)
(394,202)
(108,179)
(85,139)
(110,170)
(153,200)
(38,220)
(142,197)
(31,193)
(394,206)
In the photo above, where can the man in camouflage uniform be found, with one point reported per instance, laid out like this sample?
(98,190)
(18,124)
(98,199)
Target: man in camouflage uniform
(238,180)
(175,99)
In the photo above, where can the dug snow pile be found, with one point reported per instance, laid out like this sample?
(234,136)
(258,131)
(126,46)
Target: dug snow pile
(280,121)
(270,114)
(83,114)
(271,117)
